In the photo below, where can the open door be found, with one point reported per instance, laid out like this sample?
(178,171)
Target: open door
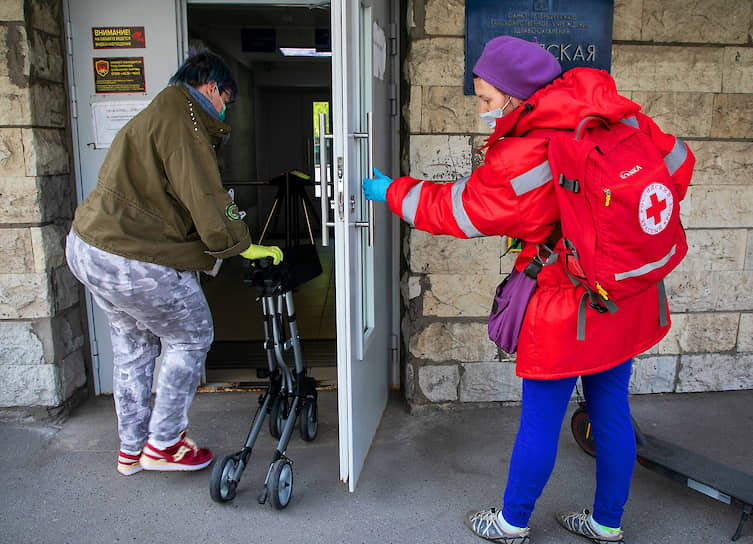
(365,136)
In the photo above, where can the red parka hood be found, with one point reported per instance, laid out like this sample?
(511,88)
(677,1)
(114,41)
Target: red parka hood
(565,102)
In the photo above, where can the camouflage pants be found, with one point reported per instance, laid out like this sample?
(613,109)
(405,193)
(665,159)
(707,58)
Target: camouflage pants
(147,305)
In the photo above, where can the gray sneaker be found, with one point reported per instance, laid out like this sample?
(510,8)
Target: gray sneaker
(484,523)
(577,522)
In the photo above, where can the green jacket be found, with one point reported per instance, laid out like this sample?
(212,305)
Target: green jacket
(159,197)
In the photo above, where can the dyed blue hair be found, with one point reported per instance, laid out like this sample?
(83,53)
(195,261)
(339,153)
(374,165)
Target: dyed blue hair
(203,66)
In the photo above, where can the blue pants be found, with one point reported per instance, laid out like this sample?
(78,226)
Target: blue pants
(543,409)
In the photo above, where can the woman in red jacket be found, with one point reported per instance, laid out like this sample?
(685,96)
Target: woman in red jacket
(521,90)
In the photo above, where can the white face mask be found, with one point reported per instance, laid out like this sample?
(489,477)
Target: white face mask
(490,117)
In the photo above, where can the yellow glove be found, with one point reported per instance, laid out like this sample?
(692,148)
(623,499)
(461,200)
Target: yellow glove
(259,252)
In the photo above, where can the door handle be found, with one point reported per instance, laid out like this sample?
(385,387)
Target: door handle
(323,185)
(369,137)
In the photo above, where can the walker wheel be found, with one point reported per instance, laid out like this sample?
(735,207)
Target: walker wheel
(278,416)
(580,425)
(309,422)
(281,483)
(221,486)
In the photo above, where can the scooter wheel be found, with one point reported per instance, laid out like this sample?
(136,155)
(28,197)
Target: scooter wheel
(221,486)
(309,422)
(580,425)
(281,483)
(278,416)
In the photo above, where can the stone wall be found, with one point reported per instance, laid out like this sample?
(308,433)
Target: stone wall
(41,332)
(690,65)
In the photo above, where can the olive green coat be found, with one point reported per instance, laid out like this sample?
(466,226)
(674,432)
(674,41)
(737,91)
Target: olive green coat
(159,197)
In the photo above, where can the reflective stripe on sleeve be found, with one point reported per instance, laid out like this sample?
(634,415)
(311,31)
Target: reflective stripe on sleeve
(410,203)
(646,268)
(458,211)
(676,157)
(534,178)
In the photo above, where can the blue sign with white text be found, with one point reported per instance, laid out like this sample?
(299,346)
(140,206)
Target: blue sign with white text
(576,32)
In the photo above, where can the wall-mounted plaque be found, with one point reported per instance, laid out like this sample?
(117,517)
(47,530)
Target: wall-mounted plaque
(119,75)
(117,37)
(576,32)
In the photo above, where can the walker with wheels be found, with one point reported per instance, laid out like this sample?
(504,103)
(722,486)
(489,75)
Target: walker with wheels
(289,397)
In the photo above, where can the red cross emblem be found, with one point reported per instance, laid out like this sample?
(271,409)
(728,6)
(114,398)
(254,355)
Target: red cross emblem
(655,208)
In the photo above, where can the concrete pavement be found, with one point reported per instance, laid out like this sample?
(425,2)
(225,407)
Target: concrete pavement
(59,483)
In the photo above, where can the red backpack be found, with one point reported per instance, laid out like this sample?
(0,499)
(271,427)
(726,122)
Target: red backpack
(620,213)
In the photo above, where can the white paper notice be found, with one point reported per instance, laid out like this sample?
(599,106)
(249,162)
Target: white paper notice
(109,118)
(379,54)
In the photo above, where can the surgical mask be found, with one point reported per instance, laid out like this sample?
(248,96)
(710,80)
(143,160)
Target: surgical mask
(490,117)
(222,112)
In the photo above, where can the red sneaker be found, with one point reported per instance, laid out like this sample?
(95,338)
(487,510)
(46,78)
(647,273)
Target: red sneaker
(183,455)
(128,464)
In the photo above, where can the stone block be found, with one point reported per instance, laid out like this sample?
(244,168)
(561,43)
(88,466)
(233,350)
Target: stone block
(440,158)
(48,243)
(738,70)
(20,344)
(445,17)
(715,372)
(36,199)
(65,289)
(46,57)
(490,381)
(15,103)
(700,333)
(49,105)
(722,163)
(686,115)
(653,375)
(431,254)
(16,251)
(667,69)
(11,152)
(726,206)
(25,296)
(745,333)
(447,109)
(72,374)
(447,341)
(465,295)
(436,61)
(715,249)
(733,116)
(14,49)
(29,385)
(439,383)
(45,152)
(696,21)
(12,10)
(749,252)
(724,291)
(46,16)
(412,112)
(627,20)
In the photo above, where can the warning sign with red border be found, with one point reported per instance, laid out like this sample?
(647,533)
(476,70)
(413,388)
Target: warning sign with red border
(119,75)
(118,37)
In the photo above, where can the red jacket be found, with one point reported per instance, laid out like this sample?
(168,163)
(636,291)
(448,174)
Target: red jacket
(512,194)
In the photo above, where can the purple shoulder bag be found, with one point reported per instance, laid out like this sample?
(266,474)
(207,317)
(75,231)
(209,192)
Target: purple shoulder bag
(509,308)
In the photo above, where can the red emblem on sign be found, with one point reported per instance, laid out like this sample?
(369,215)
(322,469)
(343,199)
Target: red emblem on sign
(102,67)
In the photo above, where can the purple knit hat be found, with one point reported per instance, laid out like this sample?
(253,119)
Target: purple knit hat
(516,67)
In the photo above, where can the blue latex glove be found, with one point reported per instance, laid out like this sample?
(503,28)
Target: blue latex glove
(376,188)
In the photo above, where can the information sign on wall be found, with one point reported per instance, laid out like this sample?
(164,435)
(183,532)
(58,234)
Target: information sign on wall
(117,37)
(119,75)
(576,32)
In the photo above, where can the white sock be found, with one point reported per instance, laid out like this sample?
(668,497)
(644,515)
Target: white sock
(162,445)
(506,526)
(603,530)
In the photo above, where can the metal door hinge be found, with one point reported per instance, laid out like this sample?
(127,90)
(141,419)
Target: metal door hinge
(393,39)
(393,99)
